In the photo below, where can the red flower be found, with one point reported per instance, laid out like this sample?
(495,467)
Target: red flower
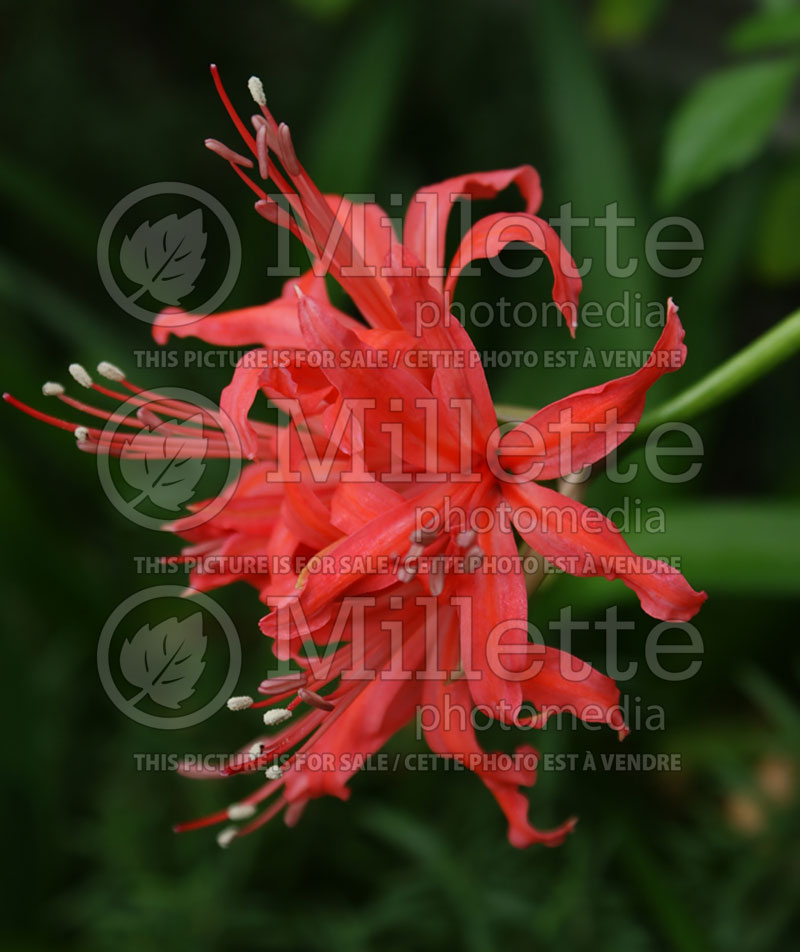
(396,497)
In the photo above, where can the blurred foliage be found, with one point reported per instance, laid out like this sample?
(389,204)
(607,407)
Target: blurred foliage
(631,102)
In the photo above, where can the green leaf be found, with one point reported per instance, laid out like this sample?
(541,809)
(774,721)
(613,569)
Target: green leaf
(724,122)
(770,29)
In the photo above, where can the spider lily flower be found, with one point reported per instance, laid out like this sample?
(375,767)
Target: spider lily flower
(392,495)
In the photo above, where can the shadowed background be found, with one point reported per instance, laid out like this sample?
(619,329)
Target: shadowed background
(663,107)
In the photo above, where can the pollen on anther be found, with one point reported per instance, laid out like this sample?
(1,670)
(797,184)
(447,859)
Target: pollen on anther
(52,389)
(276,716)
(241,811)
(81,434)
(256,88)
(80,375)
(273,773)
(110,371)
(256,749)
(227,836)
(240,703)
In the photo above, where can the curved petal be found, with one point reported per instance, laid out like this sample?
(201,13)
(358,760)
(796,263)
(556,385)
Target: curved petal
(562,682)
(237,398)
(600,417)
(446,722)
(425,228)
(490,235)
(273,324)
(582,541)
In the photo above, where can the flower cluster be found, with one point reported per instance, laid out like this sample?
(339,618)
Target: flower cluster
(378,494)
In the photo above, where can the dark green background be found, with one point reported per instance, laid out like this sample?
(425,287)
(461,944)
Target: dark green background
(99,100)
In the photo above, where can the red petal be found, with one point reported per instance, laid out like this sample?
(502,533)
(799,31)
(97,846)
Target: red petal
(562,682)
(273,324)
(582,541)
(490,235)
(422,311)
(492,602)
(237,398)
(394,394)
(449,734)
(605,415)
(426,221)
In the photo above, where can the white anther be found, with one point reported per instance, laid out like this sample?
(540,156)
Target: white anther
(81,434)
(256,88)
(80,375)
(255,750)
(110,371)
(51,389)
(241,811)
(406,573)
(273,773)
(239,703)
(276,716)
(227,836)
(466,539)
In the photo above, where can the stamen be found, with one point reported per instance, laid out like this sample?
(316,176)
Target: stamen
(466,539)
(51,389)
(148,418)
(314,699)
(276,716)
(288,155)
(241,811)
(263,151)
(281,684)
(81,434)
(474,558)
(256,88)
(110,371)
(226,102)
(256,750)
(273,773)
(80,375)
(220,149)
(406,572)
(436,582)
(240,703)
(227,836)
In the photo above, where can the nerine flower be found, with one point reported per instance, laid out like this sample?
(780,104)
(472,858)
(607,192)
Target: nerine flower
(390,506)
